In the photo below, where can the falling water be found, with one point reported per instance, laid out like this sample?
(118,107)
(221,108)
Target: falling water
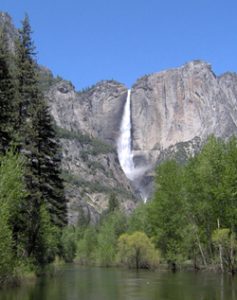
(125,152)
(124,141)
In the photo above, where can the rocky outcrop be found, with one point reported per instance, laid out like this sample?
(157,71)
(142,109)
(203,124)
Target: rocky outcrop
(178,105)
(174,111)
(92,174)
(88,126)
(96,111)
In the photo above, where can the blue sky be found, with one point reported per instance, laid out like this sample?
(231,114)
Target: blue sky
(90,40)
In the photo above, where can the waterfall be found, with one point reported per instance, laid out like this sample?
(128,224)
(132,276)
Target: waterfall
(124,142)
(125,151)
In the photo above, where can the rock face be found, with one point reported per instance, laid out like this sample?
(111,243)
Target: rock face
(96,111)
(10,30)
(183,105)
(88,126)
(178,105)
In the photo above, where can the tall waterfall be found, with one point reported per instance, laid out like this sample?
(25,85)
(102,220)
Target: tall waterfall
(124,142)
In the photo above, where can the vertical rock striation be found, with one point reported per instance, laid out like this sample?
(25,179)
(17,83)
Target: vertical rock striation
(181,107)
(178,105)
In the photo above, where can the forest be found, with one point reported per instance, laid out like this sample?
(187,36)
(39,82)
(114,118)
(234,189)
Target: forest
(190,220)
(33,206)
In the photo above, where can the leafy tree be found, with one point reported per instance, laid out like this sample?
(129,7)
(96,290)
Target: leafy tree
(11,199)
(139,219)
(68,243)
(86,246)
(137,251)
(229,179)
(225,242)
(47,243)
(112,227)
(167,211)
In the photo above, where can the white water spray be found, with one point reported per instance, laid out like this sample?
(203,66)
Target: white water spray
(124,142)
(125,150)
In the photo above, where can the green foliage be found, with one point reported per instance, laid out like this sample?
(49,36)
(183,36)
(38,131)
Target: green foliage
(12,189)
(8,93)
(47,242)
(86,246)
(31,197)
(167,211)
(111,228)
(11,199)
(221,236)
(68,244)
(139,219)
(225,243)
(46,205)
(189,200)
(113,203)
(7,262)
(137,251)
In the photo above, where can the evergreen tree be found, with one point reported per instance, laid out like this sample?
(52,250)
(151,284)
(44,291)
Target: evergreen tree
(37,142)
(7,95)
(49,162)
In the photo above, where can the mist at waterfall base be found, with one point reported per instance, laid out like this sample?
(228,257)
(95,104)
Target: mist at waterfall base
(125,155)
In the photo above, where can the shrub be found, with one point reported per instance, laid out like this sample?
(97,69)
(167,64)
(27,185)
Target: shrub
(137,251)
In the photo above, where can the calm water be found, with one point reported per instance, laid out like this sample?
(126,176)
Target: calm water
(75,283)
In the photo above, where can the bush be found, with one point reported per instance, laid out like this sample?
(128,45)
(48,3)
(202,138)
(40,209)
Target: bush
(137,251)
(7,263)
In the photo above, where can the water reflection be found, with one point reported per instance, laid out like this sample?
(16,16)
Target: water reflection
(74,283)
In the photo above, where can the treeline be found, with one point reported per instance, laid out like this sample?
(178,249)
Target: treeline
(193,215)
(117,240)
(32,203)
(190,221)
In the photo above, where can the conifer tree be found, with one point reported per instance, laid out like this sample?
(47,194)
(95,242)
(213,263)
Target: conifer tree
(37,142)
(49,163)
(7,95)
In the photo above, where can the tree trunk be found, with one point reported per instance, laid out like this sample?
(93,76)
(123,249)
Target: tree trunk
(201,251)
(220,250)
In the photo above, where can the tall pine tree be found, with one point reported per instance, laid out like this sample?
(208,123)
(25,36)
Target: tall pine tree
(8,94)
(37,142)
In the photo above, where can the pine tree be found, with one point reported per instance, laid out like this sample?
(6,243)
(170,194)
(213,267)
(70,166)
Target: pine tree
(37,142)
(7,95)
(49,164)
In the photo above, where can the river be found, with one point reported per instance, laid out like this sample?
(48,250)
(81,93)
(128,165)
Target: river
(77,283)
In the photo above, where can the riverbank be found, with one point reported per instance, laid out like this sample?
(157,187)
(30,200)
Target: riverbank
(75,282)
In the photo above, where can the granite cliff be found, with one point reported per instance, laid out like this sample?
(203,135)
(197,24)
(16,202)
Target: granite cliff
(88,123)
(174,111)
